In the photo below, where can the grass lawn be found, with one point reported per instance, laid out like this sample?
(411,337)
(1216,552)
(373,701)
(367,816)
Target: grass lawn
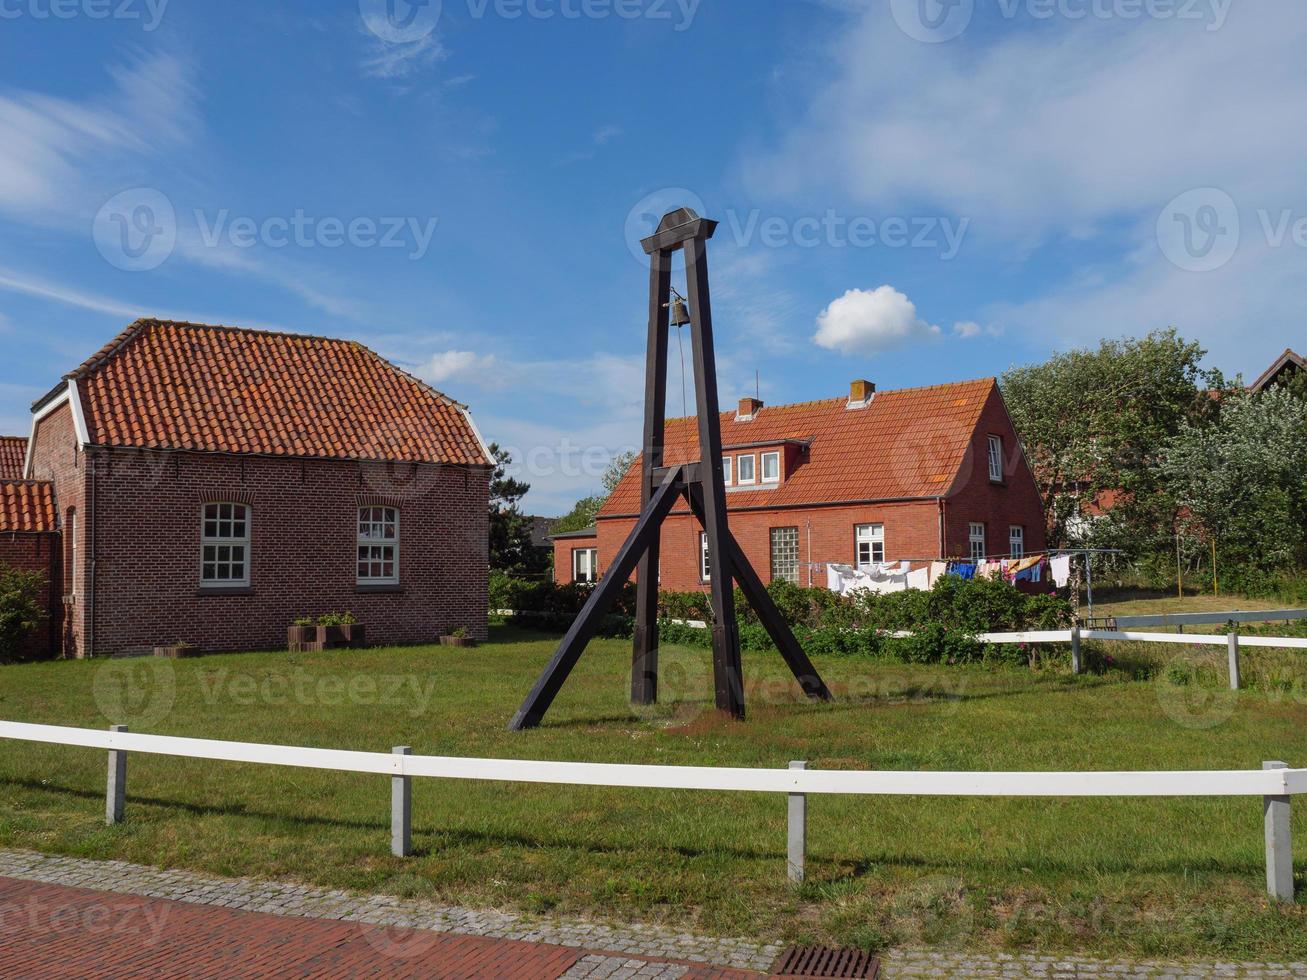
(1145,877)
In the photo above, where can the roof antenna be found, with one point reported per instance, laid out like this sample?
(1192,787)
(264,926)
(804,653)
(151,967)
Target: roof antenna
(757,385)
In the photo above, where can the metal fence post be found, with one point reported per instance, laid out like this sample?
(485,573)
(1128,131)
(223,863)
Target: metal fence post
(797,850)
(401,810)
(1075,649)
(115,797)
(1279,843)
(1232,642)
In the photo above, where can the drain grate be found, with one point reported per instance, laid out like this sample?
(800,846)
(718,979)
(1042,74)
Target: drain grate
(826,961)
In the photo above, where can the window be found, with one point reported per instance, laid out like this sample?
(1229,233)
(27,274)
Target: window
(771,467)
(585,566)
(996,459)
(378,546)
(745,469)
(1016,541)
(726,470)
(785,554)
(225,545)
(705,566)
(976,535)
(869,540)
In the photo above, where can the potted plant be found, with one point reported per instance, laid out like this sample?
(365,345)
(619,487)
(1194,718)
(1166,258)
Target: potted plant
(457,637)
(336,630)
(177,651)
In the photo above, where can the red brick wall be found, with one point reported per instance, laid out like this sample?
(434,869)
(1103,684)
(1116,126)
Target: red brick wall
(38,553)
(303,528)
(56,457)
(997,506)
(825,535)
(563,549)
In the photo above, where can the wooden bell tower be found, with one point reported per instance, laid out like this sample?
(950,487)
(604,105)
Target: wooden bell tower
(701,484)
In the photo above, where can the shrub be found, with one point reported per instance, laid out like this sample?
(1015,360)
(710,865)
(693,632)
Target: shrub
(20,609)
(337,619)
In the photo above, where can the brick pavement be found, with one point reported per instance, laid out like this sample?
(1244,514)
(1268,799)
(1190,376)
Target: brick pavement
(321,931)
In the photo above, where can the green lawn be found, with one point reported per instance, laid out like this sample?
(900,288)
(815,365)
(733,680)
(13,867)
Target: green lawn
(1154,877)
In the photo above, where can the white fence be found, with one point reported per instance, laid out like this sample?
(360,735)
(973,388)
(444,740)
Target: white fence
(1211,619)
(1275,782)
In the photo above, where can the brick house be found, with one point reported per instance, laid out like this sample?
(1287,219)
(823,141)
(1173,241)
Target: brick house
(29,537)
(211,484)
(916,474)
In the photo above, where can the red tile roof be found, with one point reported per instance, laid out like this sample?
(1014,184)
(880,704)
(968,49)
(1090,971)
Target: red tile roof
(906,444)
(13,457)
(27,507)
(168,385)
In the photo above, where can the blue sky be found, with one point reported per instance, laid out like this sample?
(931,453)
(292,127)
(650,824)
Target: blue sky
(913,191)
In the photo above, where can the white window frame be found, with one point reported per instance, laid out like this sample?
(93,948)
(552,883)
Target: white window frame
(239,512)
(1016,540)
(995,459)
(872,537)
(705,564)
(976,540)
(72,552)
(739,470)
(591,560)
(763,472)
(727,470)
(389,515)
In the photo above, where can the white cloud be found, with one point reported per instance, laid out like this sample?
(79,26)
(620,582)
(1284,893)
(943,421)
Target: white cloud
(461,365)
(970,330)
(868,321)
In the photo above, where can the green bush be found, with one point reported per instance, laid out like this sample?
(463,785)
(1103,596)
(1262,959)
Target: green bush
(20,609)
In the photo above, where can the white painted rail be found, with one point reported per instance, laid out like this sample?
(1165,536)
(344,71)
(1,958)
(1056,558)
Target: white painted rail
(1276,784)
(1051,784)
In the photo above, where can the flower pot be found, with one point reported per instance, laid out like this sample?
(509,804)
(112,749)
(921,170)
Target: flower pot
(457,641)
(302,639)
(177,651)
(355,635)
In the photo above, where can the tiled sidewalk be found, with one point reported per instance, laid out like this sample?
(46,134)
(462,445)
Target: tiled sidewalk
(384,934)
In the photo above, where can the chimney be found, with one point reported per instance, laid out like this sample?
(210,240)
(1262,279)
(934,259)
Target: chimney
(749,407)
(861,393)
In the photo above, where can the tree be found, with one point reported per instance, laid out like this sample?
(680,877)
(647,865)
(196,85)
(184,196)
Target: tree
(586,510)
(20,608)
(581,516)
(1094,421)
(1239,479)
(617,469)
(510,529)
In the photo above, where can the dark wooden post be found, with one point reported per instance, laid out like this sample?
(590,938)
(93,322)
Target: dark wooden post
(644,652)
(727,672)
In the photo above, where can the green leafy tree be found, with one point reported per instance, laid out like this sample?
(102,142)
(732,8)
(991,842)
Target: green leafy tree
(586,510)
(20,608)
(1239,479)
(510,529)
(1095,421)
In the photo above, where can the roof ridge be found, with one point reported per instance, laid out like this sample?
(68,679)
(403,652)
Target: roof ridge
(141,324)
(843,399)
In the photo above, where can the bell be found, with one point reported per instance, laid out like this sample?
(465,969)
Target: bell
(680,315)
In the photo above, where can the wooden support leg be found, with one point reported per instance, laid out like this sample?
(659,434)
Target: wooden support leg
(802,668)
(587,623)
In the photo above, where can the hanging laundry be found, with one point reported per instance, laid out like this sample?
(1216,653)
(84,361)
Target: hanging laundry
(989,569)
(964,570)
(938,569)
(920,579)
(1061,569)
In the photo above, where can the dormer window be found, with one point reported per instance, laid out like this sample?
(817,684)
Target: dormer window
(771,467)
(746,471)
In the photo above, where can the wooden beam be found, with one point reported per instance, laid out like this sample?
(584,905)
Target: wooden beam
(587,623)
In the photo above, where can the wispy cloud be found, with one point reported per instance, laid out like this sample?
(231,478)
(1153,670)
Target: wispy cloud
(391,61)
(601,138)
(56,155)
